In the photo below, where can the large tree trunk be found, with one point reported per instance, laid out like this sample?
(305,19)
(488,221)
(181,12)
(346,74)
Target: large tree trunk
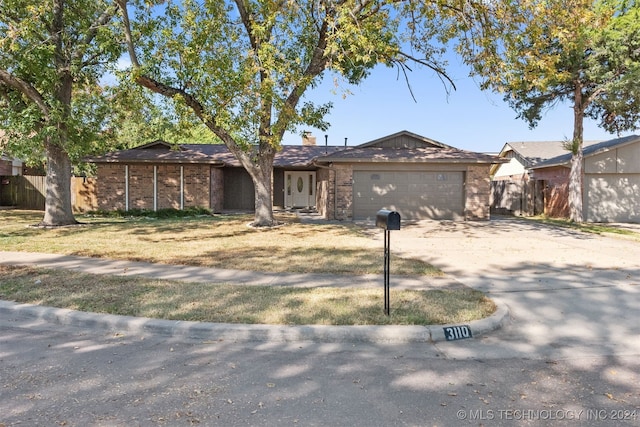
(262,175)
(57,209)
(577,170)
(575,187)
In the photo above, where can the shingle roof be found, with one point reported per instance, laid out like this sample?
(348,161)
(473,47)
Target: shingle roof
(300,155)
(589,150)
(530,153)
(215,154)
(409,155)
(422,139)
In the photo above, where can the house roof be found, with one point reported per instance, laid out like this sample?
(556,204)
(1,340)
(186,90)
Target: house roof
(407,155)
(214,154)
(406,147)
(530,153)
(588,150)
(403,146)
(418,139)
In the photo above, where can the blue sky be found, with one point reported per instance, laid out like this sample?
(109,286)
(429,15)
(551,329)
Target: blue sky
(466,118)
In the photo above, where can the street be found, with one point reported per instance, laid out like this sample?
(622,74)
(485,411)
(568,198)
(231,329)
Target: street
(568,356)
(73,377)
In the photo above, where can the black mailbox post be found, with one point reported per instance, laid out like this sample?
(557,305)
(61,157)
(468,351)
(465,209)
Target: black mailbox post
(387,220)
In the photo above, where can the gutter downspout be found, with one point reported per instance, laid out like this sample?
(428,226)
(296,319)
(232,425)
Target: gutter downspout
(155,188)
(126,188)
(181,187)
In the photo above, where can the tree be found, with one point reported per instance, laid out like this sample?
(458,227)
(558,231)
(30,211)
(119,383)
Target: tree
(242,67)
(139,117)
(542,53)
(51,56)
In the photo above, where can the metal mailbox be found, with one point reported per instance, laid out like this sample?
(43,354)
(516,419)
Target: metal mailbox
(388,220)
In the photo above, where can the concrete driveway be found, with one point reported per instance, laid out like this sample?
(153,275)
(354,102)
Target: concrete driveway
(567,291)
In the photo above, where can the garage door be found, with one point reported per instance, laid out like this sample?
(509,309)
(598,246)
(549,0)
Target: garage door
(612,197)
(415,195)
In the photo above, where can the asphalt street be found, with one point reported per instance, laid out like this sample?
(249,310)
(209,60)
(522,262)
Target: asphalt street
(568,356)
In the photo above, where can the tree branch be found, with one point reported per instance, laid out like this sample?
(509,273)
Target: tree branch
(26,89)
(101,21)
(122,4)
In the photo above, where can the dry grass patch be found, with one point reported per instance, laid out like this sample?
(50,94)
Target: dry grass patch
(227,303)
(212,241)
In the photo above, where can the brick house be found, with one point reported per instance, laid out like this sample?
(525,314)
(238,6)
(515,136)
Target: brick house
(418,177)
(611,186)
(514,190)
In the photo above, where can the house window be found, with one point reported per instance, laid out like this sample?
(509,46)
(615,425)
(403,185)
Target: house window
(289,185)
(310,185)
(300,184)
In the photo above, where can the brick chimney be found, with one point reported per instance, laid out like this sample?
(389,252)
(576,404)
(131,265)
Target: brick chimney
(308,139)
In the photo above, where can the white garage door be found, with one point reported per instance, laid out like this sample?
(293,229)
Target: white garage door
(612,197)
(415,195)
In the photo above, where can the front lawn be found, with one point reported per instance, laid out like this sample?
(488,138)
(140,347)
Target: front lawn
(220,241)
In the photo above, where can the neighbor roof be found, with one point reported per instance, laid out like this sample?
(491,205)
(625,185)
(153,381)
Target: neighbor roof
(589,150)
(531,153)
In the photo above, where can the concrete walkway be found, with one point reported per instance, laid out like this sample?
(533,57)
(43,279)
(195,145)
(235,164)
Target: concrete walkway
(238,332)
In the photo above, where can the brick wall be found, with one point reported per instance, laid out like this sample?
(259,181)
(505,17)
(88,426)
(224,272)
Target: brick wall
(141,186)
(197,186)
(110,186)
(168,186)
(477,193)
(344,192)
(556,190)
(111,182)
(325,182)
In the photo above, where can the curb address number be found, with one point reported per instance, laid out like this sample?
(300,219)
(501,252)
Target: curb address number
(453,333)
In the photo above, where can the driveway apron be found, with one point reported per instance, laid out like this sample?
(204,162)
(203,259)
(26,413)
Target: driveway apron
(567,291)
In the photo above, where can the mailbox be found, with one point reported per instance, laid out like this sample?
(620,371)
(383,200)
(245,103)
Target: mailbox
(388,220)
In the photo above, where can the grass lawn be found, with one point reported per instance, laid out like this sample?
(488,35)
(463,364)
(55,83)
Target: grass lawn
(228,303)
(220,241)
(225,242)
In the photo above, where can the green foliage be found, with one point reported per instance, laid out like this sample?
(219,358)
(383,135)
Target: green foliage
(542,53)
(242,67)
(539,54)
(51,59)
(158,214)
(139,117)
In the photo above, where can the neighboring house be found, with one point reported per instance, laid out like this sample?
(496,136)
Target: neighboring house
(513,191)
(418,177)
(10,166)
(611,190)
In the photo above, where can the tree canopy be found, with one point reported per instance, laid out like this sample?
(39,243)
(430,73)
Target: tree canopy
(52,55)
(541,53)
(242,67)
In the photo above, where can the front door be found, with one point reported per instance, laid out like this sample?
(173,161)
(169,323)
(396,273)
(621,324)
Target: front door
(300,189)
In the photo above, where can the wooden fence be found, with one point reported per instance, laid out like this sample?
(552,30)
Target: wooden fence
(28,192)
(518,198)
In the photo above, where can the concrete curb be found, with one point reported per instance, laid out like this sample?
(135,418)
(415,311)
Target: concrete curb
(251,333)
